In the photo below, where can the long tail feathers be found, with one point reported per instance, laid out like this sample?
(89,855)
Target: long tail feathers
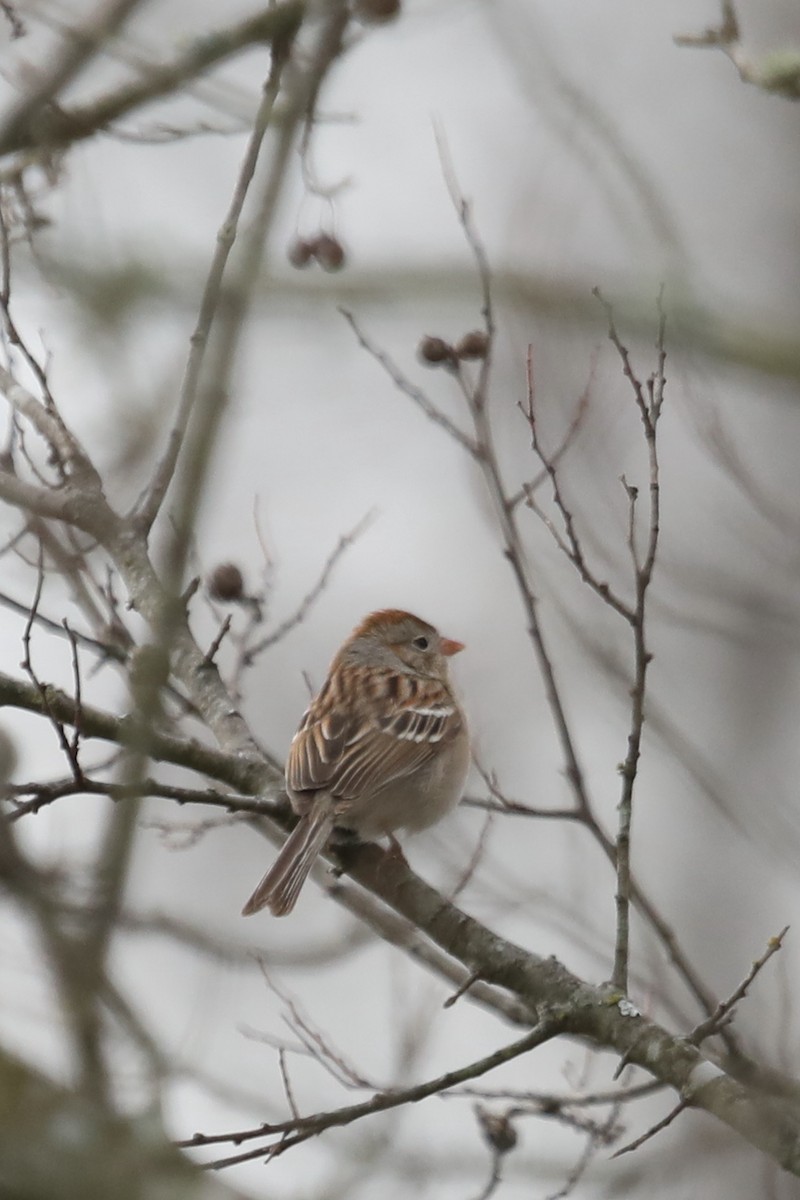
(280,887)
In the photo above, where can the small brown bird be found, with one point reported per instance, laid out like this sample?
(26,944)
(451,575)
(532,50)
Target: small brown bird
(383,746)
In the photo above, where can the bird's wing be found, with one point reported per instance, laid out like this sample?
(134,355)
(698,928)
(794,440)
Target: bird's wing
(355,749)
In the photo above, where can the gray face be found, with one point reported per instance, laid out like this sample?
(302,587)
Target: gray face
(405,644)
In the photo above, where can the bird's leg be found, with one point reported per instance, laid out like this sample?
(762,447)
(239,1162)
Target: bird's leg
(343,840)
(396,850)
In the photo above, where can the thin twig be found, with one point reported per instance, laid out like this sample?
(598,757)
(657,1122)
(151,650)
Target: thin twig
(12,331)
(724,1009)
(403,384)
(528,489)
(213,649)
(44,794)
(653,1130)
(75,740)
(598,1136)
(316,1044)
(149,504)
(291,1133)
(649,401)
(462,990)
(309,600)
(105,649)
(570,546)
(72,459)
(480,393)
(515,554)
(553,1101)
(27,664)
(287,1085)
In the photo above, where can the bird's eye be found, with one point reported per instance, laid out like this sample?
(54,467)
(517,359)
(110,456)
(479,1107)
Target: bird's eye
(421,642)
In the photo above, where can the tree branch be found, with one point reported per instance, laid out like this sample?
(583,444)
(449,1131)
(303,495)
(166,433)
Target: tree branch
(23,123)
(64,126)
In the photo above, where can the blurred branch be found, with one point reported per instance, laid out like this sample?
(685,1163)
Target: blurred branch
(106,1157)
(778,72)
(57,127)
(221,948)
(750,339)
(251,773)
(23,123)
(212,396)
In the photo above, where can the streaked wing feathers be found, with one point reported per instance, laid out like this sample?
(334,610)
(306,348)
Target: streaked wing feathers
(352,750)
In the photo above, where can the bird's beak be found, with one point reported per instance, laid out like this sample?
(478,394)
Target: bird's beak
(449,647)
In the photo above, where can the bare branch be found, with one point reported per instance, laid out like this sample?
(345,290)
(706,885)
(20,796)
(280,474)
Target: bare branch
(67,504)
(724,1010)
(415,394)
(464,215)
(290,1133)
(222,633)
(680,1107)
(529,488)
(571,547)
(553,1101)
(252,773)
(69,748)
(21,125)
(68,125)
(44,794)
(649,404)
(148,507)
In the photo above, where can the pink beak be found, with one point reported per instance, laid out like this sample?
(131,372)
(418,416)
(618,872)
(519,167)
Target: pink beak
(449,647)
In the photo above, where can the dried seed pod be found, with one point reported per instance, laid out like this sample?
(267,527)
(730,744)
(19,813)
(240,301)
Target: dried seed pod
(473,345)
(300,253)
(435,350)
(226,583)
(329,252)
(497,1129)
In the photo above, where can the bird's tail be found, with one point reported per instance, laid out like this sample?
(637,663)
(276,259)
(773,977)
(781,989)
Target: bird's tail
(280,887)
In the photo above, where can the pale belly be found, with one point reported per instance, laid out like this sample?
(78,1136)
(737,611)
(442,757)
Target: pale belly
(414,802)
